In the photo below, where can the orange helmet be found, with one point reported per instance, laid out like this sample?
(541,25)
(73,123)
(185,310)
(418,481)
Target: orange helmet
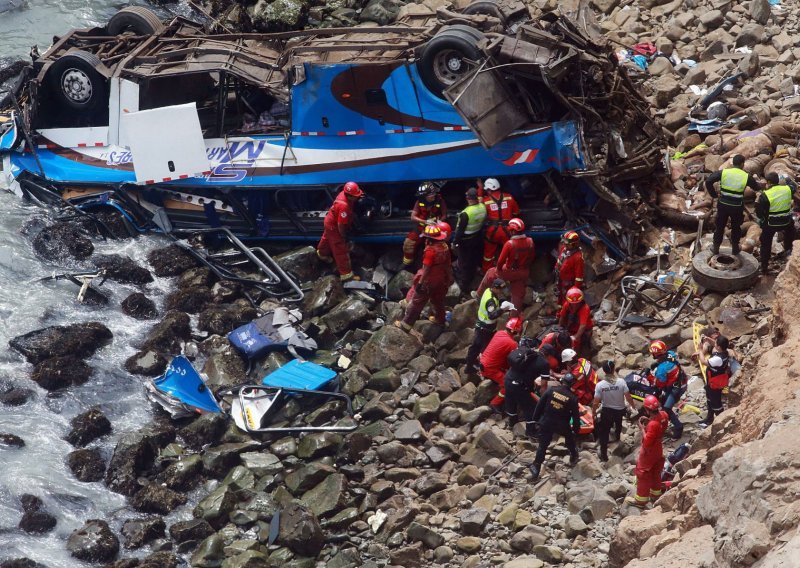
(574,295)
(435,233)
(445,228)
(651,402)
(658,348)
(514,325)
(516,225)
(570,237)
(351,188)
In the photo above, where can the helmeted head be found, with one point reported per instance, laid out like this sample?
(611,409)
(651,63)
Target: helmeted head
(498,285)
(516,226)
(351,189)
(428,190)
(574,295)
(514,325)
(570,238)
(472,194)
(715,362)
(568,355)
(435,233)
(737,161)
(658,348)
(491,184)
(651,403)
(568,380)
(445,228)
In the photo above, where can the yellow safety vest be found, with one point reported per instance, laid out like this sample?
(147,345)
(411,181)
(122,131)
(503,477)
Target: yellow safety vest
(483,313)
(731,186)
(780,205)
(476,215)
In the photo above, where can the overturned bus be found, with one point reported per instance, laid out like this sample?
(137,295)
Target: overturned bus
(178,128)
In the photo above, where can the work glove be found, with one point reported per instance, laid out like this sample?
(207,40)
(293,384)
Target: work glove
(506,305)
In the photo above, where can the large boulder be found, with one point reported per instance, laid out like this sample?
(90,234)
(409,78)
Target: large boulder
(389,347)
(94,542)
(62,243)
(60,372)
(148,363)
(301,263)
(326,293)
(79,340)
(122,269)
(170,261)
(222,319)
(225,366)
(155,498)
(138,532)
(346,314)
(139,306)
(169,334)
(192,299)
(86,465)
(133,455)
(35,519)
(87,427)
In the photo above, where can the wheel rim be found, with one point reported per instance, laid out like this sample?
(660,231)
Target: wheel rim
(449,65)
(725,262)
(76,86)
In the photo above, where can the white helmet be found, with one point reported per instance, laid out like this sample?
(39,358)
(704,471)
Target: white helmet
(491,184)
(568,355)
(715,361)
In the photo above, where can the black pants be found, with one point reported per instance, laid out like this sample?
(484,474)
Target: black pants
(767,232)
(609,418)
(714,403)
(470,255)
(546,434)
(736,214)
(519,403)
(483,335)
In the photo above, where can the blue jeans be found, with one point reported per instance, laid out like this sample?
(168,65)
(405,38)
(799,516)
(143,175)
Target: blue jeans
(671,396)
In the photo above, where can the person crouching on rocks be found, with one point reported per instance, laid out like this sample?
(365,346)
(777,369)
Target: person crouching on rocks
(525,366)
(651,456)
(557,414)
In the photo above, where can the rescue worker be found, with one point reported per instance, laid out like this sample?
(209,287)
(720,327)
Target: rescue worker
(514,264)
(557,414)
(501,207)
(611,393)
(667,376)
(584,373)
(468,240)
(559,339)
(526,366)
(494,359)
(569,265)
(774,212)
(432,280)
(651,456)
(428,208)
(334,246)
(732,182)
(718,374)
(489,309)
(576,317)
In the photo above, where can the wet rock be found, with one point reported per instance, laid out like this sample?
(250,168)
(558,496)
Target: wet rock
(16,396)
(346,314)
(133,455)
(155,498)
(319,444)
(399,285)
(326,293)
(94,542)
(147,363)
(355,379)
(222,319)
(191,300)
(264,463)
(307,476)
(20,563)
(80,340)
(427,407)
(216,506)
(35,519)
(87,427)
(138,532)
(170,261)
(196,276)
(247,559)
(327,496)
(218,460)
(61,372)
(300,530)
(210,553)
(62,242)
(122,269)
(388,347)
(139,306)
(86,465)
(224,366)
(302,263)
(169,334)
(191,530)
(160,559)
(11,441)
(183,475)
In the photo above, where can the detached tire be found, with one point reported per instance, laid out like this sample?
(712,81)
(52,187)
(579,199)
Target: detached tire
(724,272)
(487,7)
(76,83)
(136,19)
(444,58)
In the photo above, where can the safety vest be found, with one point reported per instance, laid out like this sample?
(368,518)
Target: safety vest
(476,215)
(483,313)
(731,186)
(780,205)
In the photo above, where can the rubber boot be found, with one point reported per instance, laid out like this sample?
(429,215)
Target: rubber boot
(535,470)
(573,459)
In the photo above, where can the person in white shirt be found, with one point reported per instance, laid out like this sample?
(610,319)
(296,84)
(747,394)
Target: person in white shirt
(611,393)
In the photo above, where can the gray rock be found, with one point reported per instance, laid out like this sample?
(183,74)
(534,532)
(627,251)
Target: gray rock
(490,440)
(302,262)
(712,19)
(191,530)
(300,530)
(319,444)
(210,553)
(218,460)
(431,483)
(411,431)
(155,498)
(80,340)
(399,285)
(215,506)
(388,347)
(203,430)
(93,542)
(551,554)
(326,293)
(462,398)
(473,521)
(660,66)
(574,526)
(410,556)
(87,427)
(327,496)
(222,319)
(760,11)
(86,465)
(138,532)
(247,559)
(427,536)
(307,476)
(346,314)
(385,380)
(443,554)
(147,363)
(529,537)
(168,336)
(355,379)
(183,475)
(665,89)
(750,35)
(133,455)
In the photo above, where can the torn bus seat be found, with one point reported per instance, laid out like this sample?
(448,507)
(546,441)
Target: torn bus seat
(275,330)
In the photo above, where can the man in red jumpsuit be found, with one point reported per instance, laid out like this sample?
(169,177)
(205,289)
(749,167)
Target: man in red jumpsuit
(432,280)
(501,207)
(428,208)
(651,456)
(494,359)
(569,265)
(576,317)
(584,373)
(334,245)
(514,264)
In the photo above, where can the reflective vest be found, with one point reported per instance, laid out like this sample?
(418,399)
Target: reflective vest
(780,205)
(476,215)
(483,313)
(731,186)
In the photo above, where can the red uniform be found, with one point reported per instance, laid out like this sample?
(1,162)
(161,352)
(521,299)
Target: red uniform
(494,361)
(513,266)
(334,240)
(571,321)
(422,210)
(431,282)
(500,209)
(651,460)
(569,270)
(586,381)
